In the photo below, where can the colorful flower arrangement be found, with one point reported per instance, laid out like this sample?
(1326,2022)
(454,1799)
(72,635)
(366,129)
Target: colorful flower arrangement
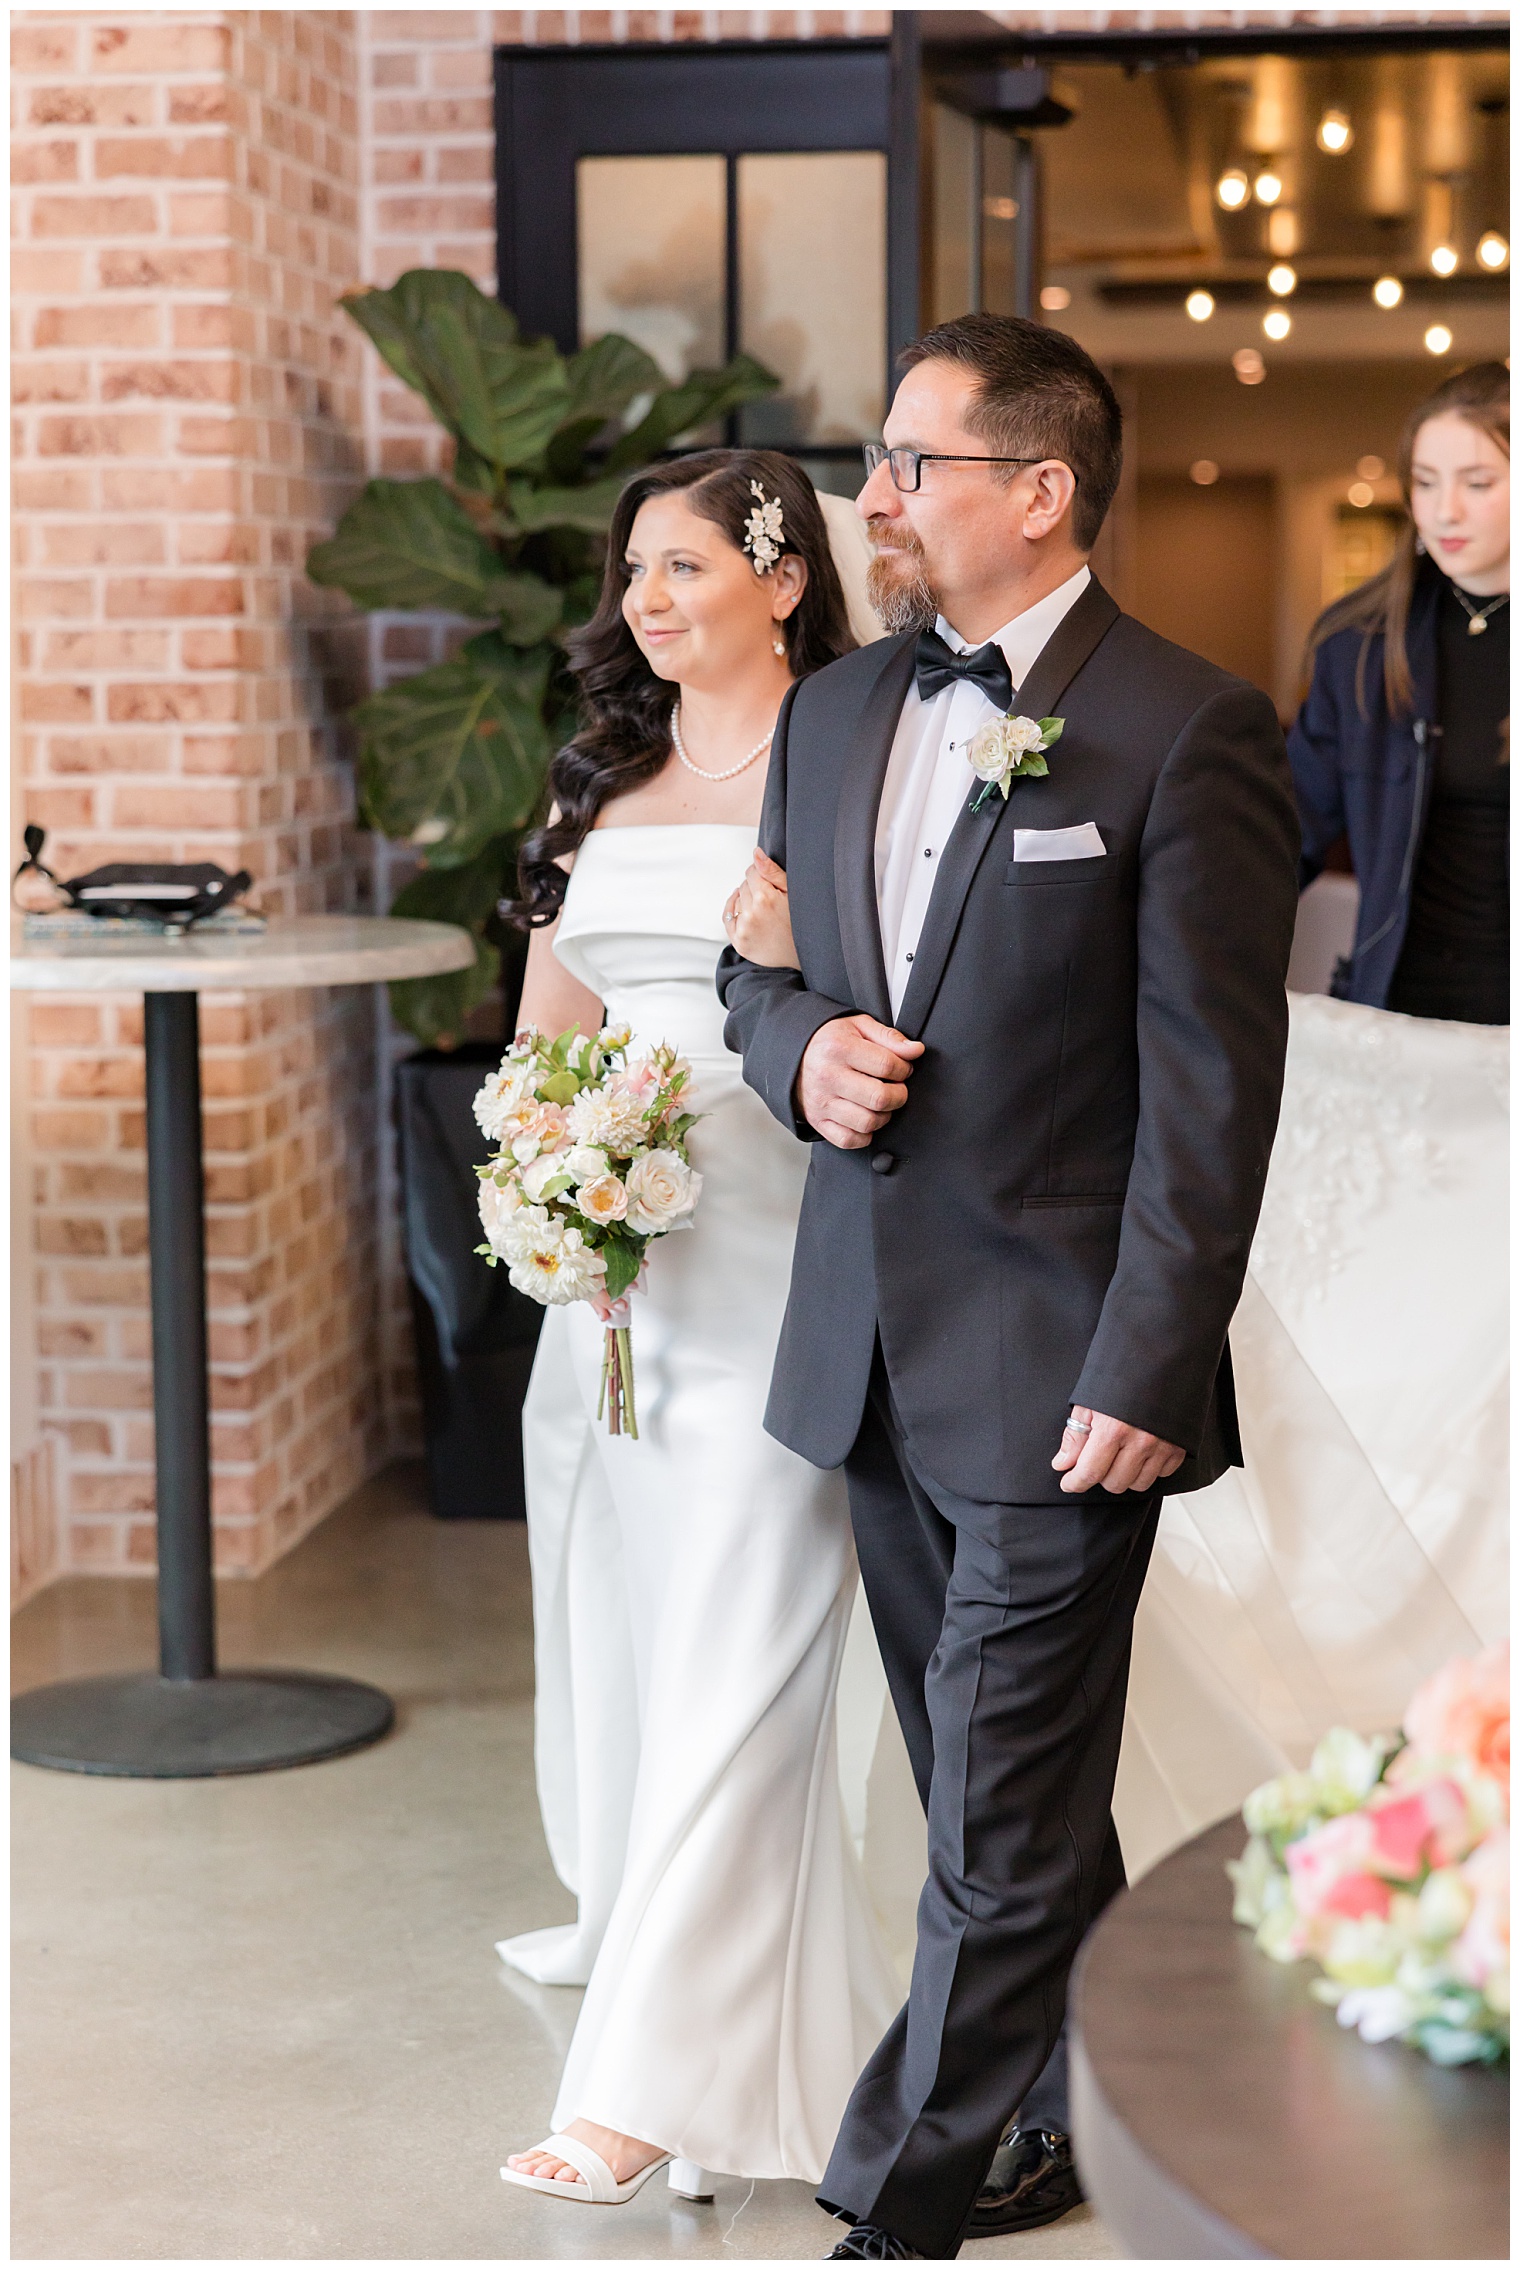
(591,1167)
(1387,1863)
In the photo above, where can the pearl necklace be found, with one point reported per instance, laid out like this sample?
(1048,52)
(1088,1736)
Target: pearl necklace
(733,770)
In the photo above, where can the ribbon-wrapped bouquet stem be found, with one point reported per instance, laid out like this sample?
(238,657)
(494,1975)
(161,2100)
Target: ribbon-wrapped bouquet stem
(591,1168)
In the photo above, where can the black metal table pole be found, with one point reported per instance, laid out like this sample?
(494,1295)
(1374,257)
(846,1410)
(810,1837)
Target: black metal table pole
(177,1262)
(187,1721)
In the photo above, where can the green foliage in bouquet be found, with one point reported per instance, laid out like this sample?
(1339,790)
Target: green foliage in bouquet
(454,759)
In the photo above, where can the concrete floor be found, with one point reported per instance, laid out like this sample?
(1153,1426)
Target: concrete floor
(261,2018)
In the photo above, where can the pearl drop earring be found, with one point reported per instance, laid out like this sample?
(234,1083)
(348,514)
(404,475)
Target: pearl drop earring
(778,640)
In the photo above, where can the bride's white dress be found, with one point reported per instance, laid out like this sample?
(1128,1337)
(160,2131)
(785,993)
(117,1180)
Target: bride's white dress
(692,1594)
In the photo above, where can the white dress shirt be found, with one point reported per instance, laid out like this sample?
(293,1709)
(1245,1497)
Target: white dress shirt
(929,777)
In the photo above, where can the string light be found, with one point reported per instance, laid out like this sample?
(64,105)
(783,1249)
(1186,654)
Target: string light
(1370,468)
(1232,189)
(1054,297)
(1438,339)
(1277,323)
(1492,249)
(1267,188)
(1204,471)
(1388,291)
(1199,305)
(1334,135)
(1248,366)
(1282,279)
(1359,494)
(1444,260)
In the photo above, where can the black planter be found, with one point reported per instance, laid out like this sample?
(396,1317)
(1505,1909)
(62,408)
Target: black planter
(475,1333)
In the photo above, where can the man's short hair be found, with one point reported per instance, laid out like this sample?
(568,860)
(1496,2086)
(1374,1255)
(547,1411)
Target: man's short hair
(1038,395)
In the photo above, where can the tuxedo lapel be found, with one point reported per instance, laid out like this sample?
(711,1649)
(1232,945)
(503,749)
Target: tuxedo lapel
(865,771)
(1071,642)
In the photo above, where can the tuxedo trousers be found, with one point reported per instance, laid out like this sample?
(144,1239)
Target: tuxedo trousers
(1005,1631)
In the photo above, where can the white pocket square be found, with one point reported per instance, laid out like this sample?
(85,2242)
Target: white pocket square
(1059,843)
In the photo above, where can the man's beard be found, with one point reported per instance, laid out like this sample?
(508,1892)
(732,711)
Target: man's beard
(896,582)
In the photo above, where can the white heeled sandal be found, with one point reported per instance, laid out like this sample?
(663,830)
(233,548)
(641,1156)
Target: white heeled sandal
(598,2183)
(688,2181)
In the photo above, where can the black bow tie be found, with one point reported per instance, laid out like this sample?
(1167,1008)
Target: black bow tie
(935,667)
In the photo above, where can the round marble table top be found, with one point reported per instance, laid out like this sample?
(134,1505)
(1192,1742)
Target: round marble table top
(305,949)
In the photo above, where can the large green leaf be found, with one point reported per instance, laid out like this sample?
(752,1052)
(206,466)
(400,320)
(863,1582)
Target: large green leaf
(705,395)
(530,609)
(434,1009)
(588,507)
(457,754)
(606,376)
(411,544)
(459,350)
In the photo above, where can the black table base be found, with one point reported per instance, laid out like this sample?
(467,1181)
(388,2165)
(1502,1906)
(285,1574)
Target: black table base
(187,1721)
(149,1728)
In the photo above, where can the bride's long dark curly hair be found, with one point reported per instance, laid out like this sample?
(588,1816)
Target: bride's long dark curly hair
(625,709)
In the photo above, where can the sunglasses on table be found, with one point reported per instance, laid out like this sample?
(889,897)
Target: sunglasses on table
(907,464)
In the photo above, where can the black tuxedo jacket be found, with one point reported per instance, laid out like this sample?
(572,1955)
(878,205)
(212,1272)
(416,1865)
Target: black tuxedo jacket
(1063,1209)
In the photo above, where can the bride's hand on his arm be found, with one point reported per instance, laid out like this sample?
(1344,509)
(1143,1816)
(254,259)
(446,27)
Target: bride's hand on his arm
(758,919)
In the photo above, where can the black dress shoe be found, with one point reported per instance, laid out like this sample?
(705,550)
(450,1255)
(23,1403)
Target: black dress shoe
(867,2244)
(1032,2180)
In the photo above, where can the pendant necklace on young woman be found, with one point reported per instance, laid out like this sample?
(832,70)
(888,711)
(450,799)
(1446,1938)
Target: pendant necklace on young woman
(733,771)
(1477,617)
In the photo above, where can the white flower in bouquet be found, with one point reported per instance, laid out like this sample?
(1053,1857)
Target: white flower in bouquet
(499,1202)
(584,1162)
(552,1262)
(662,1190)
(607,1119)
(544,1177)
(499,1101)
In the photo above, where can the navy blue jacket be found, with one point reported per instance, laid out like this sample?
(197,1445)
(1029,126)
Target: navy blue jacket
(1360,771)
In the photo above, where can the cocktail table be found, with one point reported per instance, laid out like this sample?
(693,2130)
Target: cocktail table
(188,1719)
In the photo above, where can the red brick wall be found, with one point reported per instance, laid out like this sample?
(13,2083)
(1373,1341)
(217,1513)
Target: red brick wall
(188,418)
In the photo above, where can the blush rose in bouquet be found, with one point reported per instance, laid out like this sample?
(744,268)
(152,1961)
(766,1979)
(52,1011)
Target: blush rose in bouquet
(1387,1863)
(591,1167)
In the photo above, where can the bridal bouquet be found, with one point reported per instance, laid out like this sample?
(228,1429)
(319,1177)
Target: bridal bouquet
(591,1167)
(1387,1863)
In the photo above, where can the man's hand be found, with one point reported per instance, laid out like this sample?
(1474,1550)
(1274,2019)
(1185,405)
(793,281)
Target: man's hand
(854,1076)
(1120,1457)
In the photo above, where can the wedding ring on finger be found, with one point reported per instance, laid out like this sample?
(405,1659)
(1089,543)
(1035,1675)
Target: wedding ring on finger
(1078,1427)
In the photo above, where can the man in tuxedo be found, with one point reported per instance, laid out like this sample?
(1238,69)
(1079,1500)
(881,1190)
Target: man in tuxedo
(1037,1043)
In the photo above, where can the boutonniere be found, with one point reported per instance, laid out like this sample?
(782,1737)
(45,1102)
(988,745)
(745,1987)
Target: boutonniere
(1009,749)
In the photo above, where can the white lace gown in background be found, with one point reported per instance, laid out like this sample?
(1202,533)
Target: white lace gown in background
(692,1593)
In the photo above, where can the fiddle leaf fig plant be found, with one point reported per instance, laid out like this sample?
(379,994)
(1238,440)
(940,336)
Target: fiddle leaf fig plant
(454,760)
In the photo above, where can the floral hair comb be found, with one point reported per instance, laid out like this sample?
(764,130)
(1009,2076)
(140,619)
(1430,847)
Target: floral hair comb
(763,531)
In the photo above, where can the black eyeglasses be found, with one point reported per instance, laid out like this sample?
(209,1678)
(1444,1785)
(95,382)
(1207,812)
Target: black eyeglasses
(907,464)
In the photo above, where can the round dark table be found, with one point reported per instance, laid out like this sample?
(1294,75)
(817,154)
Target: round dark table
(1219,2113)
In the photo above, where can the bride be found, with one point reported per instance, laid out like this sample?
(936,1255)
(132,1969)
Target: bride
(737,1981)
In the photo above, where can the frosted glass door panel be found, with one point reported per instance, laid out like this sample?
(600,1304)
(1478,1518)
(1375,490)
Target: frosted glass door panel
(651,248)
(812,292)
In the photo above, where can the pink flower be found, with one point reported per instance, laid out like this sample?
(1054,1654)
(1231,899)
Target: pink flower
(1357,1895)
(1317,1862)
(1463,1712)
(540,1127)
(1428,1829)
(1481,1954)
(639,1081)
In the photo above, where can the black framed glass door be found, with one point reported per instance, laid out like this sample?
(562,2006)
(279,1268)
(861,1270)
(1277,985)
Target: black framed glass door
(708,200)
